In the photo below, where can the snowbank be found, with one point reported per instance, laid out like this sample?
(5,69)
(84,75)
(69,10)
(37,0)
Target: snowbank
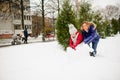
(48,61)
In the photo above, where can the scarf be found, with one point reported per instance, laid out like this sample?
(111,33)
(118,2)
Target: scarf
(74,39)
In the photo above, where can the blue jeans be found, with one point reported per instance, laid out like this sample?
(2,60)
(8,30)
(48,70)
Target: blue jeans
(94,46)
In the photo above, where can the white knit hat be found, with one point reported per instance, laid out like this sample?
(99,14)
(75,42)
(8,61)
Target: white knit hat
(72,29)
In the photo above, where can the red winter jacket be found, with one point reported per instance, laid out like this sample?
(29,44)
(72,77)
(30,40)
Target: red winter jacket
(78,41)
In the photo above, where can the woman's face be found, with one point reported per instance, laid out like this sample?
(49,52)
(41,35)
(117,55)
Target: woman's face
(85,27)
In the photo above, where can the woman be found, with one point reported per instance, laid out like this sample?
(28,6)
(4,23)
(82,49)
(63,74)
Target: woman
(90,35)
(75,37)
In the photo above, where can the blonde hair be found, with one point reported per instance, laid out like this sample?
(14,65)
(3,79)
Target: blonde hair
(88,24)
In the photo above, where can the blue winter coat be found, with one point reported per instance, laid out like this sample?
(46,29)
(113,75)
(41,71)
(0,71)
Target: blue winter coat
(25,33)
(91,35)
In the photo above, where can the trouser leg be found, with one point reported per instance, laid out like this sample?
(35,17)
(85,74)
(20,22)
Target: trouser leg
(94,46)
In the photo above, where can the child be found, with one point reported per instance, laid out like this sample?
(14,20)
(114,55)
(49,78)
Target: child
(75,37)
(90,35)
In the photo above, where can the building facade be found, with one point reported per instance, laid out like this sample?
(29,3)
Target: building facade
(10,18)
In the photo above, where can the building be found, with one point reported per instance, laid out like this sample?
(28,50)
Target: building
(10,17)
(37,25)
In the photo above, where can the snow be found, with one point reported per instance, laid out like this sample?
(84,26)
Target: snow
(7,42)
(48,61)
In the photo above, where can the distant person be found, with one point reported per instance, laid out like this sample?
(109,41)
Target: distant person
(25,36)
(90,35)
(75,37)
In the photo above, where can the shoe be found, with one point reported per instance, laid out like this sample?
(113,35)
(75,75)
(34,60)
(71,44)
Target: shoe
(91,53)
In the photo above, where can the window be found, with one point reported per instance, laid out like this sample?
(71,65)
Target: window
(26,0)
(29,17)
(25,26)
(28,26)
(1,14)
(17,27)
(17,16)
(26,17)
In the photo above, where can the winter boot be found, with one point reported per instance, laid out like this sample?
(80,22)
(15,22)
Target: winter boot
(92,54)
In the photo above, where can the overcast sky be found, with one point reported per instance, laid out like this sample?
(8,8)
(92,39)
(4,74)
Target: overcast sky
(100,3)
(95,3)
(103,3)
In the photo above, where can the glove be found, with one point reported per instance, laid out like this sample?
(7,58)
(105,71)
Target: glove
(73,47)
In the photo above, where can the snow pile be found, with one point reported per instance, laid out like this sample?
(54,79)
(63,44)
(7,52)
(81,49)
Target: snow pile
(82,49)
(48,61)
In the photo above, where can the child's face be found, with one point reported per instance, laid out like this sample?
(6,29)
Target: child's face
(85,27)
(73,35)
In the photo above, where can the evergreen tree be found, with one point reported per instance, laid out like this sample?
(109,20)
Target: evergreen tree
(119,24)
(108,30)
(85,13)
(115,26)
(100,25)
(65,17)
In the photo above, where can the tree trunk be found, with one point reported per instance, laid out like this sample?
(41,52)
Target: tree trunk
(22,14)
(43,21)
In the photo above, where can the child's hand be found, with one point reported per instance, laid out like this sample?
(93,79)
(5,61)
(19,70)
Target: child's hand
(73,47)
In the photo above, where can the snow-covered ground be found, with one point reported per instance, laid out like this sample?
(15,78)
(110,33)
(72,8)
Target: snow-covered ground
(48,61)
(7,42)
